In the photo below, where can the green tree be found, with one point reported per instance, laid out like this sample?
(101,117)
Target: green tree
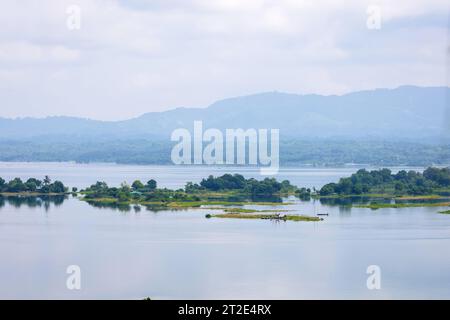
(399,186)
(57,187)
(137,185)
(328,189)
(151,184)
(124,196)
(16,185)
(33,184)
(47,180)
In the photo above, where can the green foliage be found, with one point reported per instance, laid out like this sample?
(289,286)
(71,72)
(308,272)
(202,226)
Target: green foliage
(383,181)
(192,187)
(236,182)
(264,216)
(293,152)
(137,185)
(225,182)
(16,185)
(138,192)
(57,187)
(47,180)
(151,184)
(439,176)
(192,192)
(303,193)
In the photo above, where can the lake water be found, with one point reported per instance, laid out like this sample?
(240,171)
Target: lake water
(181,254)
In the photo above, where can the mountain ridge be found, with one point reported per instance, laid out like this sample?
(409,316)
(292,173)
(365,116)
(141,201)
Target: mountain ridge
(378,113)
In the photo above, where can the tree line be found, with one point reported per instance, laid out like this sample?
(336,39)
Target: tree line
(237,182)
(383,181)
(32,185)
(191,191)
(362,182)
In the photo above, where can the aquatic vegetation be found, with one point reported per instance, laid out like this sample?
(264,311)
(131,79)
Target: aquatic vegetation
(181,204)
(264,216)
(241,210)
(423,197)
(402,205)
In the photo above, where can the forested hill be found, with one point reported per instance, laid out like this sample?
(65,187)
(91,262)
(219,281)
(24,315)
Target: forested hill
(406,112)
(403,126)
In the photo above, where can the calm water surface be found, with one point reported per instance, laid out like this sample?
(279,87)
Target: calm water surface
(181,254)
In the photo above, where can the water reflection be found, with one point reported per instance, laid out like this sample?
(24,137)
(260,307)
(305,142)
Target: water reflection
(148,250)
(344,203)
(41,201)
(347,201)
(125,207)
(115,206)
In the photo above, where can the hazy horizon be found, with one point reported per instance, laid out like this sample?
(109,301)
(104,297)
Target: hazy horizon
(210,104)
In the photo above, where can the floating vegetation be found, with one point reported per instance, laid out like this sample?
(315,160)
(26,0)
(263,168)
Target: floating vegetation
(276,217)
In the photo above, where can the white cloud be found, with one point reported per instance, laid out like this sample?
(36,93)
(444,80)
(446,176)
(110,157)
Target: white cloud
(26,52)
(135,56)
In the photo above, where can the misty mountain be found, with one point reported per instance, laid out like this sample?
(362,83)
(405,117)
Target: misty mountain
(407,112)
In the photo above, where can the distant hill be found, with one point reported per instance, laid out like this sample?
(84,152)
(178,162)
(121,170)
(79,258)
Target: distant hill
(408,112)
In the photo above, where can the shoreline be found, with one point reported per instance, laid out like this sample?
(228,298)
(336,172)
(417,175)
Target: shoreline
(233,166)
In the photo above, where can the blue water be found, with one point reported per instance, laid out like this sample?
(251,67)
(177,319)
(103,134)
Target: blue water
(181,254)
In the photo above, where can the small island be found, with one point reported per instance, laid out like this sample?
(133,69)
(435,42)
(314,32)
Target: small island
(212,193)
(224,190)
(273,217)
(32,187)
(374,189)
(405,188)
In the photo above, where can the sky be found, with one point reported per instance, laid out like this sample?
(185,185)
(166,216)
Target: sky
(118,59)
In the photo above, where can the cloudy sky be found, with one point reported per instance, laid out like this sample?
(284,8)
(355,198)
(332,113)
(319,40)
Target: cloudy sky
(131,57)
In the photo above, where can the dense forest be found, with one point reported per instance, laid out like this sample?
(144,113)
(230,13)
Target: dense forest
(237,182)
(383,181)
(32,185)
(433,180)
(192,192)
(293,152)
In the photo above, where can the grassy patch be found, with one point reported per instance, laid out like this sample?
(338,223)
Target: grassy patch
(383,195)
(366,195)
(194,204)
(302,218)
(402,205)
(182,204)
(264,216)
(101,200)
(445,212)
(240,210)
(428,197)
